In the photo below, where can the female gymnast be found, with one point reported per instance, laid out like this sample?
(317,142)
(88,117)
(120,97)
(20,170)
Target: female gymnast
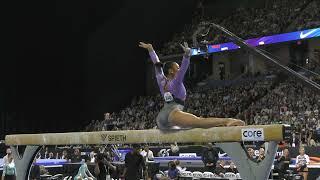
(170,80)
(84,172)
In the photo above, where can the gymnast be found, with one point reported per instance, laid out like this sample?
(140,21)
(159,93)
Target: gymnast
(170,81)
(84,172)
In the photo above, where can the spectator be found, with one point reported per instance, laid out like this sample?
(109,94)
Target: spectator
(302,162)
(261,155)
(93,156)
(173,172)
(57,155)
(282,164)
(9,170)
(220,170)
(6,157)
(210,158)
(45,154)
(295,140)
(147,154)
(177,162)
(76,157)
(103,167)
(251,155)
(35,170)
(232,168)
(51,156)
(100,170)
(134,164)
(65,155)
(312,143)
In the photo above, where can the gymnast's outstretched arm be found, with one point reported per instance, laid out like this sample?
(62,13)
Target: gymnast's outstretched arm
(155,59)
(185,63)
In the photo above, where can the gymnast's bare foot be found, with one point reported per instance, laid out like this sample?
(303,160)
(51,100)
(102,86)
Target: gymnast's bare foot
(235,122)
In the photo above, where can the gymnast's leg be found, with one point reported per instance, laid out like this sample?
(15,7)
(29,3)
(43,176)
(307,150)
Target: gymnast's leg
(183,119)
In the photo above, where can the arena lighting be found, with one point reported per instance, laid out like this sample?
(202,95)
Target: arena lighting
(278,38)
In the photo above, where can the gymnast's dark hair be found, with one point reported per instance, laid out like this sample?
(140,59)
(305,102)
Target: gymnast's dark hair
(165,66)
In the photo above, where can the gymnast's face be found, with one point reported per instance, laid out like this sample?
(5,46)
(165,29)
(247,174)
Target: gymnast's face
(174,69)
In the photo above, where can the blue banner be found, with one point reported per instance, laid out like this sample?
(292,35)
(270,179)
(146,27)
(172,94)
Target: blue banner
(292,36)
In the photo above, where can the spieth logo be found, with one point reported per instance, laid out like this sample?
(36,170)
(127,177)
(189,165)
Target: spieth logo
(252,134)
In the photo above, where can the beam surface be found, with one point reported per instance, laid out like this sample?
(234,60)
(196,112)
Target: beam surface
(216,134)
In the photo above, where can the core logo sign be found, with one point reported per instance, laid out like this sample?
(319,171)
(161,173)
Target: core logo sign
(252,134)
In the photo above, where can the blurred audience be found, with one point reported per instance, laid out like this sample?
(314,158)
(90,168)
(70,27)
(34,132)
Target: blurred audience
(232,168)
(277,16)
(256,101)
(220,170)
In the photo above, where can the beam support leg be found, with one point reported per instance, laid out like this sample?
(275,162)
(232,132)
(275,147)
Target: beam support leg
(24,161)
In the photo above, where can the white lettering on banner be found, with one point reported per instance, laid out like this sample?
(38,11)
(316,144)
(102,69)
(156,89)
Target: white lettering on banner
(191,155)
(302,36)
(224,48)
(252,134)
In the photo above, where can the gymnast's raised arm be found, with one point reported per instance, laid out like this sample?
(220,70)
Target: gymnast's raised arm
(185,63)
(155,59)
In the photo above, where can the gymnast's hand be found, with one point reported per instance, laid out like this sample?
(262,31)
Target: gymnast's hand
(186,49)
(146,46)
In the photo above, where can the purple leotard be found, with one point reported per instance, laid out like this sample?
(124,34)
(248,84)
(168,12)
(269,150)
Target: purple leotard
(174,86)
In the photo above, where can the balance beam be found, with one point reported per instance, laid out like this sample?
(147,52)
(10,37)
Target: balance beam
(276,132)
(227,138)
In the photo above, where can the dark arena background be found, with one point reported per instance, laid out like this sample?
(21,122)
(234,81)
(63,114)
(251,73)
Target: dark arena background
(75,66)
